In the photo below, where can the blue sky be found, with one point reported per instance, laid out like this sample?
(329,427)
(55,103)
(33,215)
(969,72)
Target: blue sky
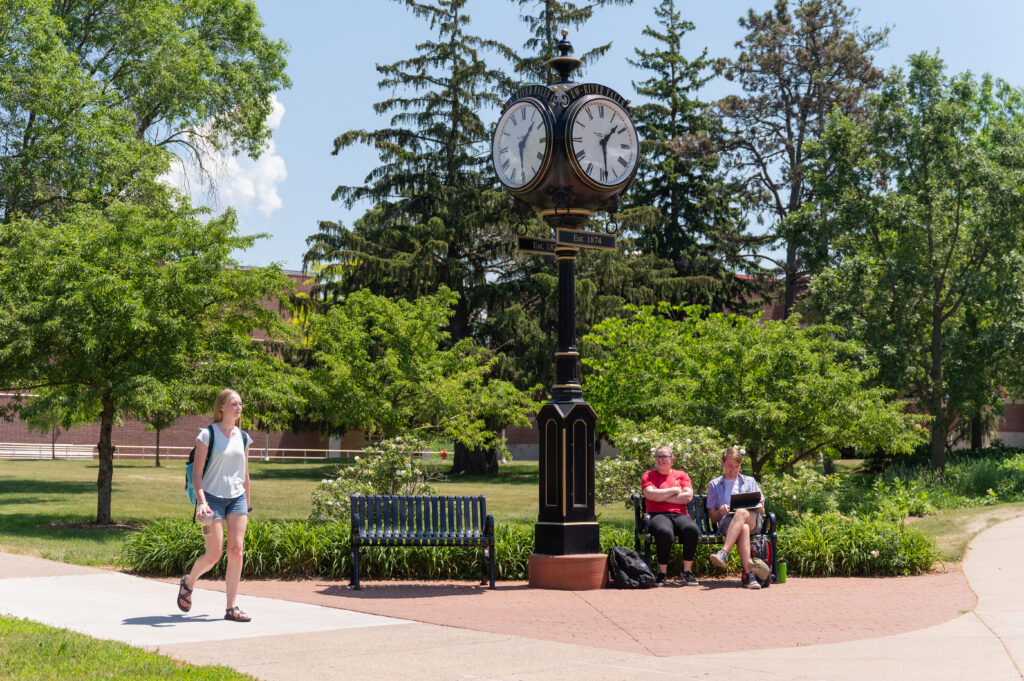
(335,45)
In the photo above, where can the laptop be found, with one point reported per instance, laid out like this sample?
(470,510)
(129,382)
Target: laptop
(744,500)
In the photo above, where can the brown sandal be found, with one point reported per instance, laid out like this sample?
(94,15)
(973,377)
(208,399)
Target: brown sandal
(236,615)
(184,596)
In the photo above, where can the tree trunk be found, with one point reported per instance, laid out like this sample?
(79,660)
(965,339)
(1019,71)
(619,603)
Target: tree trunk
(939,427)
(790,284)
(158,448)
(481,461)
(756,464)
(105,477)
(977,432)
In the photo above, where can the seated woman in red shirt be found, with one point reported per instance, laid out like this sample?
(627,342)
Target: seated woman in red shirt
(667,493)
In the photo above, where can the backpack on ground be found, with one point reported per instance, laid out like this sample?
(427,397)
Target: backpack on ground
(628,569)
(761,548)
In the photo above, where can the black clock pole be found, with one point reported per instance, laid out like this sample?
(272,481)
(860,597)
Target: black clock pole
(566,194)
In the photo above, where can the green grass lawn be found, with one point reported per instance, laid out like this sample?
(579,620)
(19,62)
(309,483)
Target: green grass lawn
(47,507)
(34,652)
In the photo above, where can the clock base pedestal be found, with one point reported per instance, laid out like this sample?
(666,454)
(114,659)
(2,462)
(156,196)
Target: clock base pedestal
(578,572)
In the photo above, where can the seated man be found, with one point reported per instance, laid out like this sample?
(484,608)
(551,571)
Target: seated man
(738,526)
(667,493)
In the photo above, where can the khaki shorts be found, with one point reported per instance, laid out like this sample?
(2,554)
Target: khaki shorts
(723,524)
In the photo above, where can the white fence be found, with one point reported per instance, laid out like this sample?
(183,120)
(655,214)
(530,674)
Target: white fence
(20,450)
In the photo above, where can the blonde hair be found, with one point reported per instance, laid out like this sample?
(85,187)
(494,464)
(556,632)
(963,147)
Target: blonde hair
(733,453)
(665,448)
(218,405)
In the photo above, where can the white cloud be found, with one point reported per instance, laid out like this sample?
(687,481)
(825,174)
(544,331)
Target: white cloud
(237,181)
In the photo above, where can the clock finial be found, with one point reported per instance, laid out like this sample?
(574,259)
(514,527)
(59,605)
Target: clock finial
(563,64)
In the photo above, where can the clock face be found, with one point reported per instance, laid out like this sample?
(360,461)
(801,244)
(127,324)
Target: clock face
(602,143)
(521,149)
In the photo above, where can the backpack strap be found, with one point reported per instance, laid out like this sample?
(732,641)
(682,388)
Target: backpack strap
(206,465)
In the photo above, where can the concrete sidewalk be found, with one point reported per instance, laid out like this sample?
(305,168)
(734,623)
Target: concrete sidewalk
(468,633)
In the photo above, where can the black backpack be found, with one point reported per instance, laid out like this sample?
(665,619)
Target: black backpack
(761,548)
(628,569)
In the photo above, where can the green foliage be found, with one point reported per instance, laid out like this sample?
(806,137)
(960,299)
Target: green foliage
(97,95)
(927,266)
(697,450)
(832,544)
(546,19)
(698,222)
(436,219)
(33,652)
(806,491)
(386,467)
(282,550)
(783,392)
(116,297)
(386,367)
(103,315)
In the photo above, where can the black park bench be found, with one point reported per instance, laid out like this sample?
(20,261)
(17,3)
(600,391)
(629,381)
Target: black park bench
(394,520)
(708,530)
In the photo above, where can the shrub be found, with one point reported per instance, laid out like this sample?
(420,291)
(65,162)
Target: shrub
(833,544)
(386,467)
(806,491)
(698,451)
(288,550)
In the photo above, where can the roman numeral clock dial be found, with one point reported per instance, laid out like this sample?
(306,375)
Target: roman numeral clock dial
(602,142)
(521,149)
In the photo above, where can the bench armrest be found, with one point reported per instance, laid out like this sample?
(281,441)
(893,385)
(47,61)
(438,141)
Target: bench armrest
(769,523)
(357,523)
(642,519)
(489,526)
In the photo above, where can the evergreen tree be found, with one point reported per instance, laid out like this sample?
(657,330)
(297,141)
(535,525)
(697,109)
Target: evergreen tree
(546,21)
(795,67)
(436,218)
(698,225)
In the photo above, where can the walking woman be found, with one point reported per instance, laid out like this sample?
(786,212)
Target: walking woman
(221,481)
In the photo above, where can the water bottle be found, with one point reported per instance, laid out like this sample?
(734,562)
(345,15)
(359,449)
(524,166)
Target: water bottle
(782,570)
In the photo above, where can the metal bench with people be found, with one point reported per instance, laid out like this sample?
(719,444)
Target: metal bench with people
(642,537)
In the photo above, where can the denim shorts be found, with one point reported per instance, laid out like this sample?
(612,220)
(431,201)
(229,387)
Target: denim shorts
(222,508)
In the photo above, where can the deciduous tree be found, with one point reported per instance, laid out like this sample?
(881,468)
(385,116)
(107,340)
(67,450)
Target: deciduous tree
(795,66)
(927,269)
(784,393)
(108,305)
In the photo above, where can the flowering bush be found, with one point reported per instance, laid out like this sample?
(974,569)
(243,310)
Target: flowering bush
(806,491)
(385,467)
(697,449)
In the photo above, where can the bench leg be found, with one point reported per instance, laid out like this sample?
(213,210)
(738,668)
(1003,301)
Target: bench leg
(354,582)
(489,564)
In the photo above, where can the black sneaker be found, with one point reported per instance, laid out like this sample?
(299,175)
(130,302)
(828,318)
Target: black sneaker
(688,578)
(660,579)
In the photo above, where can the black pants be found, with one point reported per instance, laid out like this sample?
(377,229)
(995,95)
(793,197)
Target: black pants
(666,527)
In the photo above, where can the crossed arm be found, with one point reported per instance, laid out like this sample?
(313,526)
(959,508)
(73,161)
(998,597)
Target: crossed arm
(672,495)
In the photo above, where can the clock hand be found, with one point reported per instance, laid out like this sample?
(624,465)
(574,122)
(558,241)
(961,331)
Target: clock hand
(604,147)
(522,145)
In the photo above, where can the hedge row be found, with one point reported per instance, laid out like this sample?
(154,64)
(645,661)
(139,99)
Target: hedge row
(817,545)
